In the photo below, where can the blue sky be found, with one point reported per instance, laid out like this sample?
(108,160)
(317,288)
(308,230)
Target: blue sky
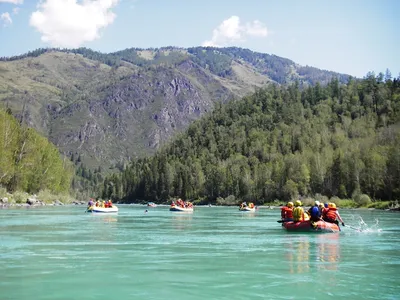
(352,36)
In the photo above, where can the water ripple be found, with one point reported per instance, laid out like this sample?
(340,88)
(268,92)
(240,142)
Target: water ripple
(214,253)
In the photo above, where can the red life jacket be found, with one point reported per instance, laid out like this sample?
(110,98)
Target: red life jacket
(283,212)
(331,213)
(287,213)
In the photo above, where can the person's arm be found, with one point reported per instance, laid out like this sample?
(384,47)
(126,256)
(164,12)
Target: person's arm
(339,217)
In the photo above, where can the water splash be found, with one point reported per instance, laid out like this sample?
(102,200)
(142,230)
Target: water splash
(361,226)
(372,228)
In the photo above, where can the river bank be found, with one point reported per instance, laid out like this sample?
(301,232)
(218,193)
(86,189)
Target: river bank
(43,198)
(46,198)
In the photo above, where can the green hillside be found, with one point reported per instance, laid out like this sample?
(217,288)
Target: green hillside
(28,162)
(280,143)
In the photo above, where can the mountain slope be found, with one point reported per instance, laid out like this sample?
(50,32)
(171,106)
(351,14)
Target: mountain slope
(108,108)
(279,143)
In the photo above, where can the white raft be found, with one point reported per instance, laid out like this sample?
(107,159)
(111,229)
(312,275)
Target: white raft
(103,210)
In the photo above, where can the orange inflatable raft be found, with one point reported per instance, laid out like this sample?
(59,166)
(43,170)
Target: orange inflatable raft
(307,226)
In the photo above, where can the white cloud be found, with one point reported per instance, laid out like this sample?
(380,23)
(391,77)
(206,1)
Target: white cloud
(13,1)
(67,23)
(15,10)
(257,29)
(231,31)
(5,18)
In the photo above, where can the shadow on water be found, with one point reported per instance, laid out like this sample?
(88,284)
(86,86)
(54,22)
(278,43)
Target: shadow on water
(328,251)
(182,220)
(104,218)
(248,214)
(307,253)
(298,255)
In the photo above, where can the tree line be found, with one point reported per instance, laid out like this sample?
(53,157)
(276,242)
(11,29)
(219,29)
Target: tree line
(280,143)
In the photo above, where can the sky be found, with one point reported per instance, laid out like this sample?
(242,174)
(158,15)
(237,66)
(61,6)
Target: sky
(346,36)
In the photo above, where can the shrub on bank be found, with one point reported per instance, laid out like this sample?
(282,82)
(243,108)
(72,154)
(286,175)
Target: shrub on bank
(363,200)
(47,197)
(345,203)
(380,204)
(19,197)
(230,200)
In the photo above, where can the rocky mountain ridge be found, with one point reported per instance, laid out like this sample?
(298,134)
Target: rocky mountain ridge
(108,108)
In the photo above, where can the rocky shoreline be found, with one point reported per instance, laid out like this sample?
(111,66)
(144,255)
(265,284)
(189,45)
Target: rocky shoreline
(34,201)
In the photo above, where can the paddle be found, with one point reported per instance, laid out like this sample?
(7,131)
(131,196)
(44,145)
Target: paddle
(354,228)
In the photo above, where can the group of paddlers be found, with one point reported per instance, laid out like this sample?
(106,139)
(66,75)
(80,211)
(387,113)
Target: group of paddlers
(244,204)
(97,203)
(181,203)
(327,212)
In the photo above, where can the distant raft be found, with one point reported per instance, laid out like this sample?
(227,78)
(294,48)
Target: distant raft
(246,208)
(307,226)
(181,209)
(104,210)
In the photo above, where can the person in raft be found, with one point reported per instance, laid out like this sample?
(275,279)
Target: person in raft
(287,212)
(324,211)
(314,212)
(321,207)
(332,214)
(91,202)
(298,212)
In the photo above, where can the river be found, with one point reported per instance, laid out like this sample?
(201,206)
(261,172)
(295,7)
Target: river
(213,253)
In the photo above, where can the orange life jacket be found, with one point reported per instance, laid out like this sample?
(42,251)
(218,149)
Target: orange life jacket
(331,214)
(286,213)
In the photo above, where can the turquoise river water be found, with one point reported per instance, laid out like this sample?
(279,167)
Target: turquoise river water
(213,253)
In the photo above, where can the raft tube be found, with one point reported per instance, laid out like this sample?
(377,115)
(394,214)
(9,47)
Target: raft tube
(247,208)
(95,209)
(306,226)
(181,209)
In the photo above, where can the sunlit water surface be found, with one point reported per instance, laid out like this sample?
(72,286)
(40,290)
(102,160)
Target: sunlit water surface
(213,253)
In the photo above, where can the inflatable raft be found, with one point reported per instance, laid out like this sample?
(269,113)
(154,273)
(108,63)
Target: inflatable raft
(181,209)
(96,209)
(246,208)
(307,226)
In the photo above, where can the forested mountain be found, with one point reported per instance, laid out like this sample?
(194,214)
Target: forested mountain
(279,143)
(105,109)
(28,162)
